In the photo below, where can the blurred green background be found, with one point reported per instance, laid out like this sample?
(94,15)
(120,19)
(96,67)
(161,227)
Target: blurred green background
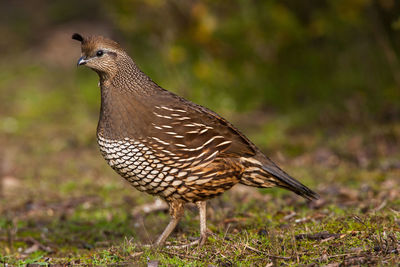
(332,61)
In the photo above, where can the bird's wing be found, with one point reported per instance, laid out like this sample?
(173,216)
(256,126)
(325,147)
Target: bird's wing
(194,135)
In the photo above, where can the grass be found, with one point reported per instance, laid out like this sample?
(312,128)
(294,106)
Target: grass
(61,204)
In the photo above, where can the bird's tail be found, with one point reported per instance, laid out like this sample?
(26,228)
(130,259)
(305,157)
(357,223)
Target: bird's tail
(270,175)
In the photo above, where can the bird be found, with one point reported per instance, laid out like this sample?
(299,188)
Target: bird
(167,146)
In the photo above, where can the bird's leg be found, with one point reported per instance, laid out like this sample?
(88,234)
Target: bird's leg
(176,209)
(203,225)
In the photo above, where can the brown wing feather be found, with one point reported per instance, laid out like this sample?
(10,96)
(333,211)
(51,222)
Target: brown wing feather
(209,124)
(198,133)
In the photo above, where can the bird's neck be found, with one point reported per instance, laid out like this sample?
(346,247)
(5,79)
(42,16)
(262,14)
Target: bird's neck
(116,117)
(127,76)
(124,95)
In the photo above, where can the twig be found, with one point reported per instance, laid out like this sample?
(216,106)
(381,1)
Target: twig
(289,216)
(227,229)
(381,206)
(395,211)
(136,254)
(295,247)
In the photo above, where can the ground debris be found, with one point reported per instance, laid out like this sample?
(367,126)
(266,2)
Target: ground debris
(318,236)
(152,263)
(34,244)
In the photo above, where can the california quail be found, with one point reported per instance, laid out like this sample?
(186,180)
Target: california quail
(168,146)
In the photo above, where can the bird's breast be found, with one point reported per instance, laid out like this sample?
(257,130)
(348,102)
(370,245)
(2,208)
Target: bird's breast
(163,174)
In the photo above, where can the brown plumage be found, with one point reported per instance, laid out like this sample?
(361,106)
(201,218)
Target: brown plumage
(167,146)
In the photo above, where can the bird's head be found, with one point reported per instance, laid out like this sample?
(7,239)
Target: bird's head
(99,53)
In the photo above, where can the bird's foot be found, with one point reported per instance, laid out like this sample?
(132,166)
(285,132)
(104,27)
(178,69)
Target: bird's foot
(200,242)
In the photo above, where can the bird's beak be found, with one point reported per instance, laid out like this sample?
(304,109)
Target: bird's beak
(81,61)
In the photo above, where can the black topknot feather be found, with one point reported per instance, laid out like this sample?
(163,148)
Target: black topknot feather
(78,37)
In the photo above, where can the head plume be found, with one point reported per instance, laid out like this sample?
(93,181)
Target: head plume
(92,43)
(78,37)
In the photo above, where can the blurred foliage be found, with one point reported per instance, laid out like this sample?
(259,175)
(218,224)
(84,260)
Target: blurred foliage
(273,54)
(317,56)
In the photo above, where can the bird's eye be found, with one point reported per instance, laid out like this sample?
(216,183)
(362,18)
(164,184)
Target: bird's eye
(99,53)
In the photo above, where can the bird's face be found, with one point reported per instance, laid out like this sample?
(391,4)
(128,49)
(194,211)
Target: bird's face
(99,59)
(98,53)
